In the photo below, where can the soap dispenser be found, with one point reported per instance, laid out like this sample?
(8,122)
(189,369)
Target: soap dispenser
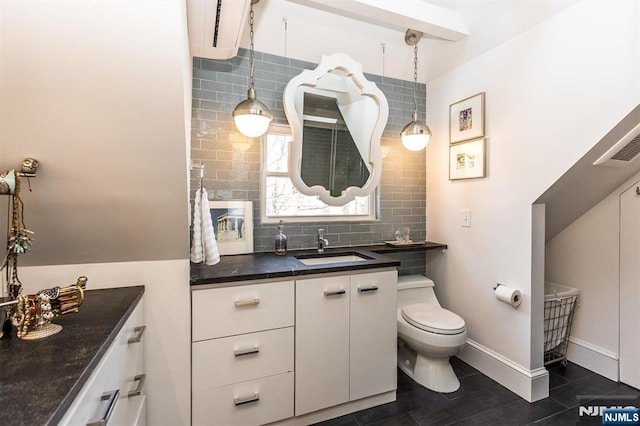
(281,240)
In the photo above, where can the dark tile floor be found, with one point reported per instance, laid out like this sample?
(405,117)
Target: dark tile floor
(481,401)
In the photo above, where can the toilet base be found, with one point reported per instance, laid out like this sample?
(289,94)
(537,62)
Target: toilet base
(434,373)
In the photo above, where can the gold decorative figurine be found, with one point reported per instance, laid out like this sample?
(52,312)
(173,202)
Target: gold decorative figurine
(31,315)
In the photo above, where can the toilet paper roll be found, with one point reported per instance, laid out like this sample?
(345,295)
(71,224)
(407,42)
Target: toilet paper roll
(508,295)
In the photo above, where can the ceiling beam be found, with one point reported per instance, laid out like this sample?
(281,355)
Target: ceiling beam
(433,21)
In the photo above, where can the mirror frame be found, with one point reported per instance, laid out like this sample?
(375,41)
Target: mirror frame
(310,78)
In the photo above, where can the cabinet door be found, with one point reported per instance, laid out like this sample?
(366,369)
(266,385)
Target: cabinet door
(629,287)
(322,343)
(373,333)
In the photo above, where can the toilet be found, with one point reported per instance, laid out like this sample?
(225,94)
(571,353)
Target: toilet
(428,335)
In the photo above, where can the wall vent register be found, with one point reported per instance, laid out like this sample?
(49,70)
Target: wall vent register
(623,152)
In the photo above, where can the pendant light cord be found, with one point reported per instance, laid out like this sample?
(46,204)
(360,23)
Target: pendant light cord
(415,78)
(251,85)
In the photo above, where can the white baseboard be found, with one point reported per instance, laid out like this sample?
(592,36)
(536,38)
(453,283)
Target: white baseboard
(594,358)
(532,385)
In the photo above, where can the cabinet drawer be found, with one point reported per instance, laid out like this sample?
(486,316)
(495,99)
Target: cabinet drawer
(129,411)
(221,312)
(132,340)
(249,403)
(110,375)
(227,360)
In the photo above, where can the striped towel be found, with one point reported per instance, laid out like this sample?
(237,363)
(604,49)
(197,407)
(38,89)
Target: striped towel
(203,245)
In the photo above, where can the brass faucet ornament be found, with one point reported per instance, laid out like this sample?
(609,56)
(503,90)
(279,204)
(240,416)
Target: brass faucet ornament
(31,315)
(18,236)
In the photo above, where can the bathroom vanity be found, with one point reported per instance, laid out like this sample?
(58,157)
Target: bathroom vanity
(63,378)
(294,339)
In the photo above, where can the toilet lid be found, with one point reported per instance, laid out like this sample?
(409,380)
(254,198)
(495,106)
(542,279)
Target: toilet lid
(433,319)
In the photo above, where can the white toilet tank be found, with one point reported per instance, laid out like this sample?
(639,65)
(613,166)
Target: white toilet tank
(416,289)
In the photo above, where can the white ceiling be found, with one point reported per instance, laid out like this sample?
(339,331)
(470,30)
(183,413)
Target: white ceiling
(488,23)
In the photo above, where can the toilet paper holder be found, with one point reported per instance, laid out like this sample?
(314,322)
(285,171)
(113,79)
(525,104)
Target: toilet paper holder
(508,295)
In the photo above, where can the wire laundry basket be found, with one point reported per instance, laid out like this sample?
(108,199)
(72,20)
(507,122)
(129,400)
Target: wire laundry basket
(559,307)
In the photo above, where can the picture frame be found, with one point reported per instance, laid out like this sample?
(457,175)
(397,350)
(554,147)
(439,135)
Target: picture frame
(233,226)
(467,160)
(466,119)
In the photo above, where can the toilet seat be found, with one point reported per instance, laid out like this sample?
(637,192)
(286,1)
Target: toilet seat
(433,319)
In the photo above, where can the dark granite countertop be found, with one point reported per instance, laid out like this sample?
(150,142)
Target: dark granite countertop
(39,379)
(256,266)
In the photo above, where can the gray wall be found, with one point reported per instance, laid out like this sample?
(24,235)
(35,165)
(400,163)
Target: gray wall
(108,123)
(232,173)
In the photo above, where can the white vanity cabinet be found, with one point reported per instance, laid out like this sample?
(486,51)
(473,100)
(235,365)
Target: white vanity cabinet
(373,334)
(242,354)
(114,393)
(322,343)
(345,338)
(293,352)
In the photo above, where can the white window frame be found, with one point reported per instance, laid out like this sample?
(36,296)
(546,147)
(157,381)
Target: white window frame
(285,130)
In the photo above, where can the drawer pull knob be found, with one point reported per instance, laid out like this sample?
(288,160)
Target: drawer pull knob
(334,292)
(140,378)
(138,337)
(246,399)
(247,351)
(368,288)
(111,398)
(241,303)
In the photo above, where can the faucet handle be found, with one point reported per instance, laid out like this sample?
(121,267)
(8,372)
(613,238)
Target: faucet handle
(320,233)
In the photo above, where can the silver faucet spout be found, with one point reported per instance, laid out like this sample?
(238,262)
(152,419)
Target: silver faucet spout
(322,242)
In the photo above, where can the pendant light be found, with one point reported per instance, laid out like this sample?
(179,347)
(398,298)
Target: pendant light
(251,116)
(415,135)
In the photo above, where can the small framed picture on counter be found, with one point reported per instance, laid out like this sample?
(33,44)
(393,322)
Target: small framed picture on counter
(233,226)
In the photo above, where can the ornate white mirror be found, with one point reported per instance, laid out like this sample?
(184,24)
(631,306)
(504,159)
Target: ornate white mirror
(337,118)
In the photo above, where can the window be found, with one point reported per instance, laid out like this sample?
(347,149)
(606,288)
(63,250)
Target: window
(281,200)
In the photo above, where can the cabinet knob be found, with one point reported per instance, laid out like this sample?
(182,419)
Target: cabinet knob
(140,378)
(111,398)
(252,302)
(246,351)
(138,337)
(334,292)
(367,289)
(239,400)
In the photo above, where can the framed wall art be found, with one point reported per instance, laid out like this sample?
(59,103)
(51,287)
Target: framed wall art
(467,160)
(233,226)
(466,119)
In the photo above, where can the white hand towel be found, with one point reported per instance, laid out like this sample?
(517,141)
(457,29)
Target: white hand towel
(204,246)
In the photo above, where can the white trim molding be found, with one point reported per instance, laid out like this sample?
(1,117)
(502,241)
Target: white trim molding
(594,358)
(531,385)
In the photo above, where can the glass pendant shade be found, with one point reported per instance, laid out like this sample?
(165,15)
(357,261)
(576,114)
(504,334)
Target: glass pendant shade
(415,135)
(251,116)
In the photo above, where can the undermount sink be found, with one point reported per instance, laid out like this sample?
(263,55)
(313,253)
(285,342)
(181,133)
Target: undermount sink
(331,259)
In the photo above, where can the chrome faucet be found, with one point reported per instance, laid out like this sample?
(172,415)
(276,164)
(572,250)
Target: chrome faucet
(322,241)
